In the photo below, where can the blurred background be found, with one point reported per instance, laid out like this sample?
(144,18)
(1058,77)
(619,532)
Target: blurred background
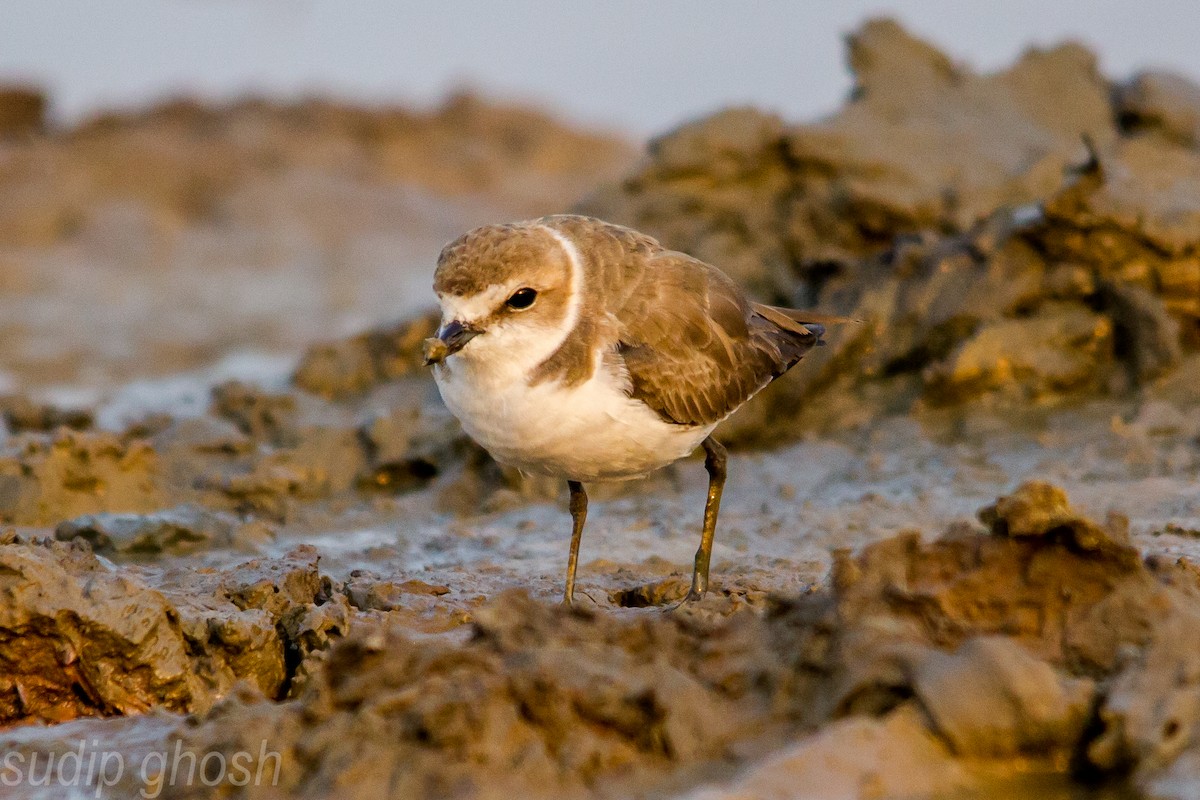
(197,185)
(626,66)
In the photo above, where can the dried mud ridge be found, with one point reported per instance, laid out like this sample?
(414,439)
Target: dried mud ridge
(186,160)
(1042,639)
(992,258)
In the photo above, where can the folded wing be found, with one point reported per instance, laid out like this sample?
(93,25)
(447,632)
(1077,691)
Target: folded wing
(695,347)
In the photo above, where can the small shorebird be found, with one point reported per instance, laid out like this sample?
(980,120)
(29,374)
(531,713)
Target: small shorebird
(583,350)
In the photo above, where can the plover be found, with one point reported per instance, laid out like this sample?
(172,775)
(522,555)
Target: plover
(587,351)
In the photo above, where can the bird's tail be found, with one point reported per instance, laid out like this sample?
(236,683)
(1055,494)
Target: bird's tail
(802,322)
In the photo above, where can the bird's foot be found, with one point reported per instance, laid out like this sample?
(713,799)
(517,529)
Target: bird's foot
(568,601)
(694,595)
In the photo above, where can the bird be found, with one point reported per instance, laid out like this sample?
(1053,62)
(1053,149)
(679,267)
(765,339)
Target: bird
(587,351)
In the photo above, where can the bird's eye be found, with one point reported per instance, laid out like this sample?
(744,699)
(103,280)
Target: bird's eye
(521,299)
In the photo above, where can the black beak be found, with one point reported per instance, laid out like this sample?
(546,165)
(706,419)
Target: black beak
(453,336)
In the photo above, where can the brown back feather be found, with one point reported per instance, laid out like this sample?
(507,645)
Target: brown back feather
(694,346)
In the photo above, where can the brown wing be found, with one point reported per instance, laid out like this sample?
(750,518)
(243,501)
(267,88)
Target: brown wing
(695,347)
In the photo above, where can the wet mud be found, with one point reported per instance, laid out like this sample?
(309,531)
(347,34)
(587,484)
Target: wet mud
(958,553)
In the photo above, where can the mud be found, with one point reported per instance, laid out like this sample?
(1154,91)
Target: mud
(958,549)
(140,245)
(1162,103)
(174,531)
(1028,235)
(22,111)
(1043,637)
(84,638)
(346,367)
(44,478)
(20,414)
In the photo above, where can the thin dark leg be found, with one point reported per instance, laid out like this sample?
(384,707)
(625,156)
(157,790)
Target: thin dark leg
(714,462)
(578,507)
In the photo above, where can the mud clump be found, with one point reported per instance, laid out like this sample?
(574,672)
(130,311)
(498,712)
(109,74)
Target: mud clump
(1068,589)
(1072,601)
(292,446)
(45,479)
(991,698)
(408,439)
(352,366)
(1038,509)
(174,484)
(21,415)
(80,638)
(22,111)
(968,651)
(301,448)
(923,145)
(371,593)
(1162,103)
(70,651)
(540,699)
(1008,238)
(1132,218)
(260,415)
(175,531)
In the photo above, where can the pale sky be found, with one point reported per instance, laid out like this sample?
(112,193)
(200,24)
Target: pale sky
(640,65)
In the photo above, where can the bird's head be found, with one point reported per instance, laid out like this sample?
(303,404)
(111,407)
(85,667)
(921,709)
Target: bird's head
(506,291)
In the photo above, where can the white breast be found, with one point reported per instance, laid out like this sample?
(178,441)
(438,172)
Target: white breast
(591,432)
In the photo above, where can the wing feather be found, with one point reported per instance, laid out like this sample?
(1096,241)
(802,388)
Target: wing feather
(694,347)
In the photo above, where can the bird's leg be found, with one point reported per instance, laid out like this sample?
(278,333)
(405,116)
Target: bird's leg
(578,506)
(714,462)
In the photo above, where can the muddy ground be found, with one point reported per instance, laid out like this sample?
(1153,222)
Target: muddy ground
(247,553)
